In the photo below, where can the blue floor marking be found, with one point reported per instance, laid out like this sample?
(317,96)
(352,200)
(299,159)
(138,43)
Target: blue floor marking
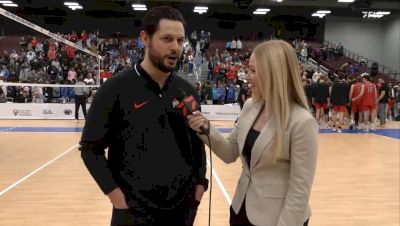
(41,129)
(393,133)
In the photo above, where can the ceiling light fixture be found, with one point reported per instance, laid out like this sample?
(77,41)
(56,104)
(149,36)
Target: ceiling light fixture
(323,11)
(75,7)
(200,9)
(138,6)
(320,15)
(10,5)
(71,3)
(263,10)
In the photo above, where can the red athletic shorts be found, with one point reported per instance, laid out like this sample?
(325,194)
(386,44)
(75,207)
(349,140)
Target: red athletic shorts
(391,102)
(321,105)
(339,108)
(368,107)
(355,108)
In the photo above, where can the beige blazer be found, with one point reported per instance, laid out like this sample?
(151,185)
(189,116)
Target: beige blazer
(277,194)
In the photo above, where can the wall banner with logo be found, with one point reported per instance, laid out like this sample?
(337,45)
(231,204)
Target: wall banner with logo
(226,112)
(67,111)
(39,111)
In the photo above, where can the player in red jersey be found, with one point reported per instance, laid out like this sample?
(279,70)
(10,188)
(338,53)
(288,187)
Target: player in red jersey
(355,97)
(368,102)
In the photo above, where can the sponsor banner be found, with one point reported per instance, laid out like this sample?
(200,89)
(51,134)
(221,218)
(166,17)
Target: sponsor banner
(67,111)
(39,111)
(226,112)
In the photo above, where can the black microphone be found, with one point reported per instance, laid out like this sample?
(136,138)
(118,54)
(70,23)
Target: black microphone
(188,105)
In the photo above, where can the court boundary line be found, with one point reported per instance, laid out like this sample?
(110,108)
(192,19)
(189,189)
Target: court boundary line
(6,129)
(37,170)
(220,184)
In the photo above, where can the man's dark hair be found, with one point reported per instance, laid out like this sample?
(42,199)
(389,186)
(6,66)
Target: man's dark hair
(151,20)
(368,78)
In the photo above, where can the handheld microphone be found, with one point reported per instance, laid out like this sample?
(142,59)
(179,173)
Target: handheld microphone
(188,105)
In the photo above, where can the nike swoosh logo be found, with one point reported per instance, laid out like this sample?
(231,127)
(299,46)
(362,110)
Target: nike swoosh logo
(137,106)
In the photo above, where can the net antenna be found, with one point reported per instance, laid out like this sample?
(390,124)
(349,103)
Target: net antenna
(50,34)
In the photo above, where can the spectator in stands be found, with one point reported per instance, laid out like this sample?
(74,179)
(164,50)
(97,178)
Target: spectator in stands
(51,53)
(23,43)
(13,56)
(70,51)
(210,69)
(3,97)
(4,73)
(304,52)
(317,75)
(92,94)
(23,95)
(234,44)
(191,64)
(39,48)
(221,93)
(228,45)
(72,74)
(346,66)
(84,37)
(239,45)
(89,79)
(74,37)
(231,94)
(241,74)
(193,39)
(30,55)
(215,96)
(374,69)
(135,57)
(25,74)
(37,95)
(198,61)
(242,96)
(354,69)
(235,58)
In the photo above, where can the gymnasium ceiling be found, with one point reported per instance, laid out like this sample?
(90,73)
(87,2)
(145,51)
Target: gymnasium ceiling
(219,9)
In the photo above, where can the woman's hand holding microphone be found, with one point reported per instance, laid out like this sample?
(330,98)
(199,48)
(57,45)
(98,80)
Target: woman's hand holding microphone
(197,120)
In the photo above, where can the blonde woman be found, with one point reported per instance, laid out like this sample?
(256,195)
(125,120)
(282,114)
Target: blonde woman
(276,139)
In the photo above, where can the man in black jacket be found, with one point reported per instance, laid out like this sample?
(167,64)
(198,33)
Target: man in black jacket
(155,170)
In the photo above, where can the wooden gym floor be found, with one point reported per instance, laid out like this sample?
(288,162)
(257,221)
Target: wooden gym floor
(43,181)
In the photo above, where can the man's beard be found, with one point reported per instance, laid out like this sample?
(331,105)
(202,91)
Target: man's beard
(158,61)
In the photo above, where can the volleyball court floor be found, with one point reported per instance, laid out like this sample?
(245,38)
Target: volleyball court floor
(43,181)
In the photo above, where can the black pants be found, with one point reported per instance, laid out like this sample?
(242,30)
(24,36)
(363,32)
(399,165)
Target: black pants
(80,101)
(182,215)
(241,218)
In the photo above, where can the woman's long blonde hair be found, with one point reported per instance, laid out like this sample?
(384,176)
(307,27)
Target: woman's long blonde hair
(279,86)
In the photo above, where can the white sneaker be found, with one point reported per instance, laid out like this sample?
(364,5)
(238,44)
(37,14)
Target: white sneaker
(339,130)
(76,121)
(334,129)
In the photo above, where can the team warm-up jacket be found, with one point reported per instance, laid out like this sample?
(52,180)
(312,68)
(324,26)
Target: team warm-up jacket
(153,155)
